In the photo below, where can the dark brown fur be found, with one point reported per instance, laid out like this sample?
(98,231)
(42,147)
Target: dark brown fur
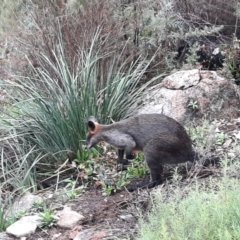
(162,140)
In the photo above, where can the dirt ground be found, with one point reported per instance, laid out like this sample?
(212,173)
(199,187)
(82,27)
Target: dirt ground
(117,214)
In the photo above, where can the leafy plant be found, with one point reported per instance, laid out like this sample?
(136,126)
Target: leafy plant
(4,220)
(47,217)
(74,191)
(231,65)
(85,158)
(220,138)
(107,190)
(216,213)
(202,135)
(8,215)
(192,55)
(17,172)
(54,105)
(138,167)
(38,205)
(122,180)
(193,105)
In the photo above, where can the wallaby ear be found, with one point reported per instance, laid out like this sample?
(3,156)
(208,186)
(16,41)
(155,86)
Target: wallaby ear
(92,125)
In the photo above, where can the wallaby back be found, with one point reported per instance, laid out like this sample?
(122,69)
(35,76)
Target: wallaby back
(161,138)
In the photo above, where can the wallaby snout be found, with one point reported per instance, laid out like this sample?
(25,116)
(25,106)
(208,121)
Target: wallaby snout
(89,141)
(87,147)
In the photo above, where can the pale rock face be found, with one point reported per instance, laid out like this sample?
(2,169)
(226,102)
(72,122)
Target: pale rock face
(214,96)
(182,79)
(25,226)
(69,218)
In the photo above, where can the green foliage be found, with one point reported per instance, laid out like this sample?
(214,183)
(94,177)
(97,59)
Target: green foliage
(85,157)
(5,221)
(156,23)
(74,191)
(113,183)
(204,135)
(193,105)
(47,217)
(192,55)
(16,169)
(138,167)
(7,215)
(220,138)
(54,106)
(38,205)
(230,65)
(120,179)
(107,190)
(17,174)
(198,212)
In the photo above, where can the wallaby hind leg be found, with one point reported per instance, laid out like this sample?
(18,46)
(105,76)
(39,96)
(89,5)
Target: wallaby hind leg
(156,169)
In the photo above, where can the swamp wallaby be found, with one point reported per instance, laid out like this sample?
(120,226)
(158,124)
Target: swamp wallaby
(161,139)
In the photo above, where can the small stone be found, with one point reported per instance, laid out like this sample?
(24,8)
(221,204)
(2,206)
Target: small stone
(91,234)
(25,226)
(99,234)
(56,236)
(127,217)
(227,143)
(68,218)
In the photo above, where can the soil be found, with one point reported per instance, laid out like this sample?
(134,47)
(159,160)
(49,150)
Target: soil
(116,216)
(117,213)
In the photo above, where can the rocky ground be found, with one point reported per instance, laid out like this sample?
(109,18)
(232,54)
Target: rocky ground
(92,215)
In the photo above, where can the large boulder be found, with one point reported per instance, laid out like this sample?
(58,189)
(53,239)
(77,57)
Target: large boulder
(193,94)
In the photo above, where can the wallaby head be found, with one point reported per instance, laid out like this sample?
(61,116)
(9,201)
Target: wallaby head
(92,137)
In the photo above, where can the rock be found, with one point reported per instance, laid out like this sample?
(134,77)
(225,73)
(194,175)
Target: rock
(25,226)
(68,218)
(193,94)
(100,234)
(56,236)
(5,236)
(127,217)
(25,203)
(92,233)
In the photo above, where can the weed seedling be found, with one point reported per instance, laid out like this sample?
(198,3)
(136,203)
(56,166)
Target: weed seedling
(138,168)
(122,181)
(86,157)
(38,205)
(220,138)
(73,192)
(193,105)
(107,190)
(47,217)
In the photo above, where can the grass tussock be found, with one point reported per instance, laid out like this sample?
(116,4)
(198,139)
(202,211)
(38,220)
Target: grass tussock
(53,107)
(199,212)
(44,119)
